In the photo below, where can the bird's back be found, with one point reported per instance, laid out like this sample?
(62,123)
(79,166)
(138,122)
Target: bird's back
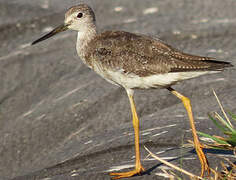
(143,55)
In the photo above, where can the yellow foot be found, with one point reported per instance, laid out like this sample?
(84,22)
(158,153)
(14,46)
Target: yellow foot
(127,174)
(203,160)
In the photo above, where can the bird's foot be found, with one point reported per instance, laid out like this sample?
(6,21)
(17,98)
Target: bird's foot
(136,171)
(203,159)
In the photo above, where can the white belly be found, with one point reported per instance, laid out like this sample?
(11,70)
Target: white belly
(132,81)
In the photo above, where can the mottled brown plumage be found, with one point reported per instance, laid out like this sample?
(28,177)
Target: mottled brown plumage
(144,56)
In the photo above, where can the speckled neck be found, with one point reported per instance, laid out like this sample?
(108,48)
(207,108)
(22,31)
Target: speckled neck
(83,38)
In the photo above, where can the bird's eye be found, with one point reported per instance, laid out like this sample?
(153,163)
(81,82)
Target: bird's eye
(79,15)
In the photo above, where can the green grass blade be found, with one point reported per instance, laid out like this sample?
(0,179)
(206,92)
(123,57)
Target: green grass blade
(232,139)
(222,128)
(213,138)
(232,115)
(227,125)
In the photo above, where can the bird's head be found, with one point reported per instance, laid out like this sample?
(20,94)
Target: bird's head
(79,18)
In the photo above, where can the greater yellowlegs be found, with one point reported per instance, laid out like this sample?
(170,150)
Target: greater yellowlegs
(135,61)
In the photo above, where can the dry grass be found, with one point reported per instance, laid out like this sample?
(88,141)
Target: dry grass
(228,172)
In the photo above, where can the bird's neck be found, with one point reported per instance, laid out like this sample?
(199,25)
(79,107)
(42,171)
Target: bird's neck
(83,38)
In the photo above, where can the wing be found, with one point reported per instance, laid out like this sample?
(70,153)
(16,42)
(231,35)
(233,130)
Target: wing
(144,56)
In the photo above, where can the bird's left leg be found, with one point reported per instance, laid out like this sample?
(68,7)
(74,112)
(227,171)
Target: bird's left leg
(198,146)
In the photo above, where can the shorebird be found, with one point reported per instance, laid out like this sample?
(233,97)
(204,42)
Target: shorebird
(135,61)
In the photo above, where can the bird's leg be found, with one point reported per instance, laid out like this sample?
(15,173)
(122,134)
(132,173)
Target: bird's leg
(198,146)
(138,167)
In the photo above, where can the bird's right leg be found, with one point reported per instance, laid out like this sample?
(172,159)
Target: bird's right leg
(138,167)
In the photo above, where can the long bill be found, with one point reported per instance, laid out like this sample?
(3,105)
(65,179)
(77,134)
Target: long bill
(55,31)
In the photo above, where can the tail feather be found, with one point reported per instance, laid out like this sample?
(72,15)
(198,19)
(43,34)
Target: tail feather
(218,65)
(205,65)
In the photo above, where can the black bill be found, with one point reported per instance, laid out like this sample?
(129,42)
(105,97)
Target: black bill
(58,29)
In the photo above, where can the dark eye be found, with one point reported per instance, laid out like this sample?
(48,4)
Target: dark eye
(79,15)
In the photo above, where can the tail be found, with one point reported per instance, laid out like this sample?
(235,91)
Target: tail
(203,65)
(217,65)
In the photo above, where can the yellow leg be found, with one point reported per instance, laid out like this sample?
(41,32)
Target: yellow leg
(198,146)
(138,167)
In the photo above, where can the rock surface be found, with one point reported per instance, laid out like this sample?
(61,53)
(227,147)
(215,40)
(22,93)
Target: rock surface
(59,120)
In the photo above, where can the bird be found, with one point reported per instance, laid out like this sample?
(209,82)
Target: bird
(136,61)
